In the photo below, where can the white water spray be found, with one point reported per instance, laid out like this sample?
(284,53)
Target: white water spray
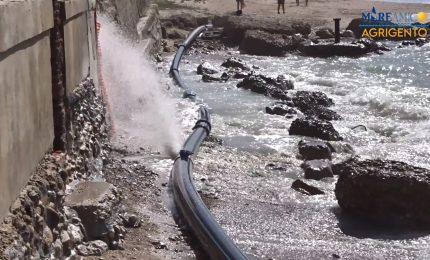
(142,108)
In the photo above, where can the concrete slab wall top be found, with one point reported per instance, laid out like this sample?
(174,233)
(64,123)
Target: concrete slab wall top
(76,44)
(22,20)
(26,117)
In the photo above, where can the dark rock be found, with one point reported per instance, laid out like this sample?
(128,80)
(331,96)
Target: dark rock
(314,128)
(372,45)
(268,44)
(235,63)
(311,150)
(306,99)
(421,41)
(281,109)
(236,27)
(313,104)
(317,169)
(52,217)
(215,78)
(131,221)
(321,113)
(305,188)
(276,88)
(325,33)
(206,68)
(387,192)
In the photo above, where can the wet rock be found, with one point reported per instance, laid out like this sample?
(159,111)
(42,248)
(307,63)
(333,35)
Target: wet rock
(421,41)
(317,169)
(276,88)
(235,63)
(305,188)
(307,99)
(321,113)
(224,77)
(206,68)
(281,109)
(94,202)
(311,150)
(325,33)
(257,42)
(314,128)
(93,248)
(387,192)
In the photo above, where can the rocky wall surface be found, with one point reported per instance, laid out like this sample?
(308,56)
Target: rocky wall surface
(38,224)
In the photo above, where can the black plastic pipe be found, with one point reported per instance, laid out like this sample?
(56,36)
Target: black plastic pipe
(191,207)
(209,233)
(174,69)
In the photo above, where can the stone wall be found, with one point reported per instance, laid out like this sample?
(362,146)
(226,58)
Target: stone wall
(42,60)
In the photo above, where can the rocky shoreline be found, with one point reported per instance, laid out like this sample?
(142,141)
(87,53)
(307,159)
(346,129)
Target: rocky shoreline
(314,116)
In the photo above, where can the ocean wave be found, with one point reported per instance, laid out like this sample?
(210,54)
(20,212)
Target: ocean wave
(387,104)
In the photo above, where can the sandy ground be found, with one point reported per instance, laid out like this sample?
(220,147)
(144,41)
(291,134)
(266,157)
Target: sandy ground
(318,12)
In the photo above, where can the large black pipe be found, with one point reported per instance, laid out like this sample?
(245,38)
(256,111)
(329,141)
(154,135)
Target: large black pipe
(174,69)
(209,233)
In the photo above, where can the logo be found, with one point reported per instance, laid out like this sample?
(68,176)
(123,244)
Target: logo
(394,24)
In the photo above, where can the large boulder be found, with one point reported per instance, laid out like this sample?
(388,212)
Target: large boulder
(306,99)
(258,42)
(386,192)
(273,87)
(314,104)
(312,150)
(235,27)
(317,169)
(314,128)
(95,203)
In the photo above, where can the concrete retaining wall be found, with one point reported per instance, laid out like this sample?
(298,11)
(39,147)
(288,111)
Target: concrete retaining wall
(26,99)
